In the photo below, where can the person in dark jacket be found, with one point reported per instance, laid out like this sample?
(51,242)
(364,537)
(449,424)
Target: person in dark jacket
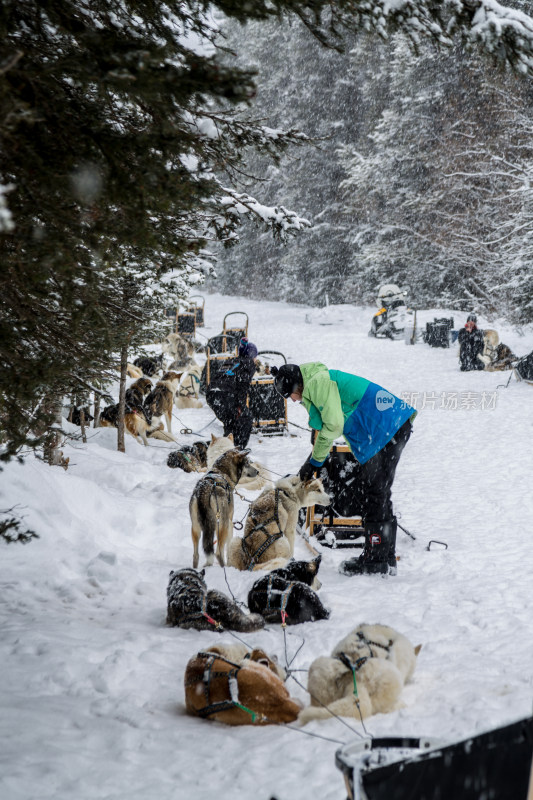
(376,425)
(228,391)
(471,345)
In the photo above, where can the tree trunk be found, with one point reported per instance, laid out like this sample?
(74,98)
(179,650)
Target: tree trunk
(122,398)
(96,422)
(51,452)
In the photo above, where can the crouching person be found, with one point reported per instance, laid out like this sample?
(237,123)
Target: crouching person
(376,425)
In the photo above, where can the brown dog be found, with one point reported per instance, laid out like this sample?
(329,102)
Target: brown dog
(227,685)
(160,401)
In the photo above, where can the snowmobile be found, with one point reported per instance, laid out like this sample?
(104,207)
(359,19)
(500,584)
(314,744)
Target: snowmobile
(393,320)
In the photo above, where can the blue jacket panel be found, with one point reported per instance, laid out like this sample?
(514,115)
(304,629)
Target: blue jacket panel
(374,422)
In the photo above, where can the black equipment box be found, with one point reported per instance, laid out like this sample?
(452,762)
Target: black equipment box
(438,332)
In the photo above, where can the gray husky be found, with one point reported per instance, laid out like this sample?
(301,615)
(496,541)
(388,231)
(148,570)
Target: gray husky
(211,504)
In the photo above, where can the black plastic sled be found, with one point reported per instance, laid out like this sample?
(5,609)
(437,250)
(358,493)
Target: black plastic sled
(491,766)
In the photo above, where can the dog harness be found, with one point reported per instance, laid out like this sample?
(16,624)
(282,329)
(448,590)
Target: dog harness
(261,526)
(276,594)
(233,688)
(369,643)
(186,594)
(353,666)
(189,391)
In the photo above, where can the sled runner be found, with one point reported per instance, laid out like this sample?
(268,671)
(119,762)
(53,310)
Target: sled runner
(495,765)
(339,524)
(197,308)
(268,408)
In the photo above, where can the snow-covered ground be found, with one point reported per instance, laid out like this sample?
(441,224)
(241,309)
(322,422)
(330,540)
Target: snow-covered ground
(91,689)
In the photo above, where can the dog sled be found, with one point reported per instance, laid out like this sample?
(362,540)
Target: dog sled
(523,369)
(240,331)
(496,765)
(267,407)
(439,332)
(197,308)
(339,524)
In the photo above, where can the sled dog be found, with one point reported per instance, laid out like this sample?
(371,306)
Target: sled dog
(190,604)
(160,401)
(189,457)
(219,445)
(227,685)
(179,348)
(286,596)
(188,392)
(268,539)
(136,422)
(377,657)
(211,504)
(149,364)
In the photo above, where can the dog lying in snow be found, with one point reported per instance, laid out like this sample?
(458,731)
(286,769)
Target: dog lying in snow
(189,457)
(190,604)
(188,392)
(268,540)
(180,349)
(211,504)
(239,688)
(149,364)
(378,658)
(219,445)
(285,595)
(136,422)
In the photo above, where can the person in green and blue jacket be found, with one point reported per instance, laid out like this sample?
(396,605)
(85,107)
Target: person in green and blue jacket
(376,425)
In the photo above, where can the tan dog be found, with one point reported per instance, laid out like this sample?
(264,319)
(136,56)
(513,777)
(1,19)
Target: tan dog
(179,348)
(376,659)
(135,420)
(221,444)
(160,401)
(188,393)
(490,343)
(227,685)
(504,358)
(211,505)
(268,540)
(133,372)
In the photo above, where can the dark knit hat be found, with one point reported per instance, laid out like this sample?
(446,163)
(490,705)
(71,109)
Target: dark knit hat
(471,318)
(247,349)
(287,379)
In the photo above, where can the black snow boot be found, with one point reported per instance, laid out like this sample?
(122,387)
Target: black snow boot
(378,551)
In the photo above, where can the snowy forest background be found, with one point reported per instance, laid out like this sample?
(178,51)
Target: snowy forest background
(420,173)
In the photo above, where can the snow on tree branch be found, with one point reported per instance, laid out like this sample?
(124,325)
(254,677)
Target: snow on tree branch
(280,220)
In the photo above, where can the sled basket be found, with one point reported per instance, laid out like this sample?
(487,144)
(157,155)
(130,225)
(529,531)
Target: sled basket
(186,323)
(339,524)
(238,331)
(267,407)
(197,303)
(215,364)
(438,333)
(493,765)
(524,369)
(227,343)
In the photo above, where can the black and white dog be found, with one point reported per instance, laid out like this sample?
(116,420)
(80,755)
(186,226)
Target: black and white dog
(285,595)
(190,604)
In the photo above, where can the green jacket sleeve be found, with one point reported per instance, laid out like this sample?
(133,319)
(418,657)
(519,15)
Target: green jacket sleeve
(323,393)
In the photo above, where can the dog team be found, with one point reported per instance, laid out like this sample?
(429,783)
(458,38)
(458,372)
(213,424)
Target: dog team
(232,683)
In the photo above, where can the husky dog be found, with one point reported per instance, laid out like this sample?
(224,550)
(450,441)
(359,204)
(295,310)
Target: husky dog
(160,400)
(75,415)
(191,605)
(136,421)
(286,595)
(268,540)
(133,372)
(187,395)
(504,358)
(238,653)
(149,364)
(237,690)
(219,445)
(180,348)
(189,457)
(211,504)
(377,658)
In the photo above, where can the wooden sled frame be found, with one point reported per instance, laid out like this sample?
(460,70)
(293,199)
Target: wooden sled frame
(269,426)
(197,309)
(237,329)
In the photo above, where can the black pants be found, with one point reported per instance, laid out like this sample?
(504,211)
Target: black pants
(375,478)
(235,419)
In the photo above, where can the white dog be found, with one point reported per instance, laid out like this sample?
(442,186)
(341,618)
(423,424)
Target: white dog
(219,445)
(373,660)
(188,392)
(269,534)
